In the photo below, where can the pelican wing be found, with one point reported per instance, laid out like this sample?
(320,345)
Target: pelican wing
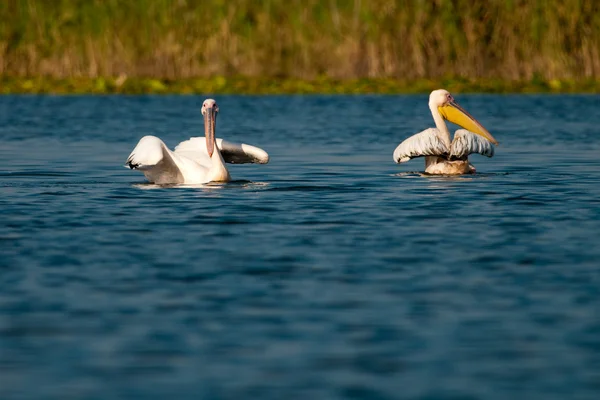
(233,153)
(242,153)
(153,158)
(466,143)
(426,143)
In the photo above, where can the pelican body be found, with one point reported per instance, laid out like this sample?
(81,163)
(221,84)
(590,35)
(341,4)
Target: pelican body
(194,161)
(444,156)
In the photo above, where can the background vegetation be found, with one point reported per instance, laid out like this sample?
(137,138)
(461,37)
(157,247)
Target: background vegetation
(308,45)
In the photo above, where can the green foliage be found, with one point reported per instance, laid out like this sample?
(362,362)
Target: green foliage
(251,85)
(516,42)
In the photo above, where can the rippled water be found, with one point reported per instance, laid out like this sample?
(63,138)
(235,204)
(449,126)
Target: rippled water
(331,272)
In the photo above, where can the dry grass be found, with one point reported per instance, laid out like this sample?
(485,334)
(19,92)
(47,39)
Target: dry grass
(513,40)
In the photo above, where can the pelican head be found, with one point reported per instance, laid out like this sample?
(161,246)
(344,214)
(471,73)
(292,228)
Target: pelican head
(443,102)
(210,111)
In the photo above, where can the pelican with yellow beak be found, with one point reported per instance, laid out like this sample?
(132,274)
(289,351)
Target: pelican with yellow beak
(444,156)
(194,161)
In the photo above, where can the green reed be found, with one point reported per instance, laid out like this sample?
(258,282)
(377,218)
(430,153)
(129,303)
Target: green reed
(510,40)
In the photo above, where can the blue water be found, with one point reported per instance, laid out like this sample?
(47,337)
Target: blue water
(331,272)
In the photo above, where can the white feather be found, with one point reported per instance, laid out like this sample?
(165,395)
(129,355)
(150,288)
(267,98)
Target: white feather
(233,153)
(430,143)
(466,143)
(160,165)
(426,143)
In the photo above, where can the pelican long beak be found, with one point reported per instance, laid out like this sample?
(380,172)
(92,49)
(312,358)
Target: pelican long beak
(210,122)
(457,115)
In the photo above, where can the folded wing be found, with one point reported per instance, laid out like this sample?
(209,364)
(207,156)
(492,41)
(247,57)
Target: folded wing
(426,143)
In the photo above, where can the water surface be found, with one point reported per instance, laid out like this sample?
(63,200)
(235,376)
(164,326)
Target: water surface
(330,272)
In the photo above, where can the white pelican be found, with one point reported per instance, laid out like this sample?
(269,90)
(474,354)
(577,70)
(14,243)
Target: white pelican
(443,156)
(196,160)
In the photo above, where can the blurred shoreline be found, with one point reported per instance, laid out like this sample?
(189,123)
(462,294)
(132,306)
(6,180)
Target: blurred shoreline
(272,86)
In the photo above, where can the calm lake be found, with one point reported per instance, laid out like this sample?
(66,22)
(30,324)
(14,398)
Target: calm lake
(330,272)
